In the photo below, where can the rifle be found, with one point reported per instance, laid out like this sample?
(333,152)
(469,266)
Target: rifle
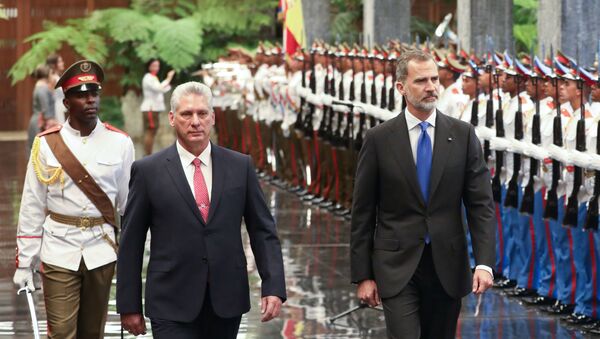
(323,124)
(591,217)
(551,210)
(329,129)
(338,137)
(384,103)
(352,96)
(500,133)
(570,218)
(512,191)
(307,125)
(489,114)
(475,106)
(527,204)
(362,118)
(372,119)
(299,119)
(392,96)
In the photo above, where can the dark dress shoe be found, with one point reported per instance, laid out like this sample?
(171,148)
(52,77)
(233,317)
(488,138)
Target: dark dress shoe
(317,200)
(578,319)
(539,301)
(559,308)
(308,197)
(326,203)
(591,326)
(506,283)
(520,292)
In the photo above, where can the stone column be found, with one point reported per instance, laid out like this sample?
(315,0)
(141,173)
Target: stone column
(477,19)
(571,26)
(317,19)
(386,19)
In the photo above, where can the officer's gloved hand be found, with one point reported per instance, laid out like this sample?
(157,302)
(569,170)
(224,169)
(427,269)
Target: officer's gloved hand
(538,183)
(24,277)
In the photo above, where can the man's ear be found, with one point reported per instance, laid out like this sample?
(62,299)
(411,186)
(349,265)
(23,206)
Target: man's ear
(171,118)
(400,87)
(65,103)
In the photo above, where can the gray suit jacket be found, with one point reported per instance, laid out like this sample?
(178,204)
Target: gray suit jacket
(390,218)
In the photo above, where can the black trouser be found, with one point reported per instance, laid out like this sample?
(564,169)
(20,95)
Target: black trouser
(207,325)
(422,309)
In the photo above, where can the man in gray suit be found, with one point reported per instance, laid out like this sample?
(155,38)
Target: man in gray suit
(408,246)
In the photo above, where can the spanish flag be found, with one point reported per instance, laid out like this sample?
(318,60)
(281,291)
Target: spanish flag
(293,26)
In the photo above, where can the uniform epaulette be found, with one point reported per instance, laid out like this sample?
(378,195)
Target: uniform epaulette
(50,130)
(114,129)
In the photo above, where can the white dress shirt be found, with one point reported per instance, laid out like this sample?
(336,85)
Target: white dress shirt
(188,168)
(414,131)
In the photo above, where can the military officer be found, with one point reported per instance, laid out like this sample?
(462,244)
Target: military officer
(77,176)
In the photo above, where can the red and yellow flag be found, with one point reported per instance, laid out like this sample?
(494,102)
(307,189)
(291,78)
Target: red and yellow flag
(293,26)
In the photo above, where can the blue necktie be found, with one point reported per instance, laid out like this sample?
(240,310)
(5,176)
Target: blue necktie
(424,151)
(424,159)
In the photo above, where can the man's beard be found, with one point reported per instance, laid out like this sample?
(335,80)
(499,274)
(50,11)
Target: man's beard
(420,105)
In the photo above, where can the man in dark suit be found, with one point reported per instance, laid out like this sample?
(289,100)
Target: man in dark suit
(193,196)
(408,244)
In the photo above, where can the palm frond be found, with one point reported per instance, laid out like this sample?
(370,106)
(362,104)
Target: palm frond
(88,44)
(179,43)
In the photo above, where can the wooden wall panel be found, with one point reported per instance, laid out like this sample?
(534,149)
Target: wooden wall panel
(26,17)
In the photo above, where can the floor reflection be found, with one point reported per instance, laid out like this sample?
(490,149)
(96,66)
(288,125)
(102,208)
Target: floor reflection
(315,249)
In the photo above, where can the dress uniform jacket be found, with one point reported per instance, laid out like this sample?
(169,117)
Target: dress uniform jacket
(107,155)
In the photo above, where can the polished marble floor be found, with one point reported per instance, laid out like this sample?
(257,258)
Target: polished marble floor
(315,250)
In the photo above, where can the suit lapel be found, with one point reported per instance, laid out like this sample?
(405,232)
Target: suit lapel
(218,171)
(441,149)
(403,153)
(173,165)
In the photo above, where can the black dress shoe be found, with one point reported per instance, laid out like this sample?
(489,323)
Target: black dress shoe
(317,200)
(578,319)
(308,197)
(520,292)
(506,283)
(591,326)
(540,300)
(326,203)
(559,308)
(302,192)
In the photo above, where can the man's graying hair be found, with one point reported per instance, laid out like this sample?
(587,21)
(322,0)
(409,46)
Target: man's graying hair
(191,87)
(407,56)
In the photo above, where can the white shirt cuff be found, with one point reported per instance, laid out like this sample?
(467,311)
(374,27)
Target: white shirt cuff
(485,268)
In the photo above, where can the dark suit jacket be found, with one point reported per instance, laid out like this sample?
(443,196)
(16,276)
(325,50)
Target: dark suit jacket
(390,218)
(188,255)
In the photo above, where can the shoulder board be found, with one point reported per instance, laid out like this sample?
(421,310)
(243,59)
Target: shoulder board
(454,90)
(114,129)
(551,104)
(565,112)
(588,114)
(50,130)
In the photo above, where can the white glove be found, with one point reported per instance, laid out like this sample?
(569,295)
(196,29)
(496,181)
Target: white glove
(24,277)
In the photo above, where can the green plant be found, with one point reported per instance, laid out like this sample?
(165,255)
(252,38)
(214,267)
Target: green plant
(110,111)
(182,33)
(525,24)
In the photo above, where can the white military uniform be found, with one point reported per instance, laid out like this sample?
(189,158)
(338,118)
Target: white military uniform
(107,155)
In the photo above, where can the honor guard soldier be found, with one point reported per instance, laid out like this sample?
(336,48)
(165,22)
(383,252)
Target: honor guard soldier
(76,178)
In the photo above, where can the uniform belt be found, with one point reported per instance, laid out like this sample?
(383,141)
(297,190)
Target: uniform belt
(81,222)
